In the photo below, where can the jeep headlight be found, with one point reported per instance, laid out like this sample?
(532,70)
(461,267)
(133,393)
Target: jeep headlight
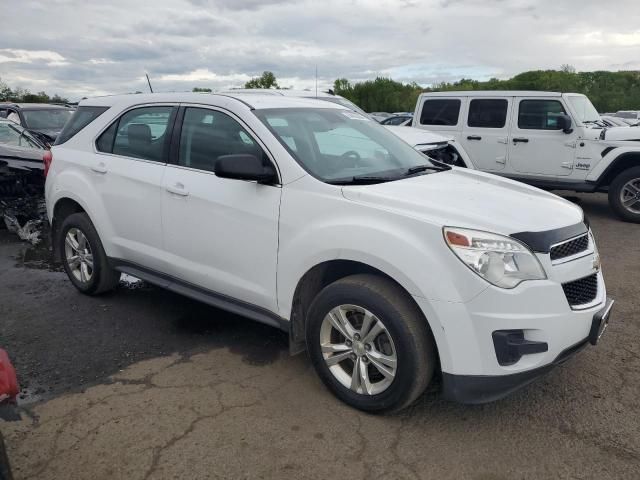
(501,261)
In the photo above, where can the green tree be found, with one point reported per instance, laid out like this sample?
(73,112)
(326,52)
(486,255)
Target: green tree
(201,89)
(266,80)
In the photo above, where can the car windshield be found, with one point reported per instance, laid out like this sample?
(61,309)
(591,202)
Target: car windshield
(16,136)
(337,145)
(46,119)
(584,109)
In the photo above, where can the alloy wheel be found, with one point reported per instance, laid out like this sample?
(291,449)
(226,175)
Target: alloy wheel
(630,195)
(358,349)
(78,255)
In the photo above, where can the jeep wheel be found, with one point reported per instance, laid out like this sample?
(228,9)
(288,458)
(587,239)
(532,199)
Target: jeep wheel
(370,344)
(83,257)
(624,195)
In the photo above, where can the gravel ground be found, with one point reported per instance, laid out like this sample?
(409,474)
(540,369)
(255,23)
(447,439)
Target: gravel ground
(142,383)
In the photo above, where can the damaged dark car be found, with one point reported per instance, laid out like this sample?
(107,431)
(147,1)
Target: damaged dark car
(44,121)
(21,180)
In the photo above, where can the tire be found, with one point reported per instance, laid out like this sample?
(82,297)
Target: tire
(405,334)
(90,281)
(5,468)
(622,186)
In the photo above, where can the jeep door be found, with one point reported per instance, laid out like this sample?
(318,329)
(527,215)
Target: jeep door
(220,234)
(537,145)
(486,132)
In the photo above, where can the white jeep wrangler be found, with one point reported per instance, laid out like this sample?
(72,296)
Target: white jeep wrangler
(555,141)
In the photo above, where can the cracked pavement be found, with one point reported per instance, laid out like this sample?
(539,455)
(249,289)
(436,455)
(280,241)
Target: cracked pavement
(142,384)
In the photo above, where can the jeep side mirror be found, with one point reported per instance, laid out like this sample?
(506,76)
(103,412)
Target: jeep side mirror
(244,166)
(564,123)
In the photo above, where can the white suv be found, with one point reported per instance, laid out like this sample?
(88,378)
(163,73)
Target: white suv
(386,266)
(555,141)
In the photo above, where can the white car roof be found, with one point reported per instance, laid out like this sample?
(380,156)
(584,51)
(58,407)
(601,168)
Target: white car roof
(279,92)
(498,93)
(257,101)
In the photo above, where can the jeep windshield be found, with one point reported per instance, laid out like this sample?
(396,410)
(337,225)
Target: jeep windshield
(341,146)
(584,109)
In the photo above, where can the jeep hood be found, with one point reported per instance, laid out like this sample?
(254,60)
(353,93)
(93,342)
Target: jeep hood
(463,198)
(622,133)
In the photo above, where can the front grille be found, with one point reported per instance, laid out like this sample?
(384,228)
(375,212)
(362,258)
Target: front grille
(582,291)
(570,248)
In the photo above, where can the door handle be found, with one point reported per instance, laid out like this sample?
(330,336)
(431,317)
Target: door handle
(568,165)
(177,189)
(99,168)
(520,140)
(474,137)
(501,160)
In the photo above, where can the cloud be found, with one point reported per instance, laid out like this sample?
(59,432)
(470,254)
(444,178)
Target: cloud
(78,48)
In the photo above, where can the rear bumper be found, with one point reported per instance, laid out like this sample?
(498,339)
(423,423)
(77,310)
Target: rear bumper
(478,389)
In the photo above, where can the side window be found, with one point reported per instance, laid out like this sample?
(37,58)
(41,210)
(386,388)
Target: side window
(139,133)
(488,113)
(208,134)
(539,114)
(440,112)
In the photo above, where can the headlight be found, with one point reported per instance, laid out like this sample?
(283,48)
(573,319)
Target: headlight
(501,261)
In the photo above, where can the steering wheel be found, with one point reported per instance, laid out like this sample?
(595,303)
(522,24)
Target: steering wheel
(351,154)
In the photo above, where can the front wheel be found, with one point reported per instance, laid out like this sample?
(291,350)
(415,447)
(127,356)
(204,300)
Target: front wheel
(370,344)
(624,195)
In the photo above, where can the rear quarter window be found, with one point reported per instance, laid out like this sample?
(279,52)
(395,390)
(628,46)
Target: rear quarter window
(82,117)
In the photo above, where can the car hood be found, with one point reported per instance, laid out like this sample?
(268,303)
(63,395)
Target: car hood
(464,198)
(416,136)
(622,133)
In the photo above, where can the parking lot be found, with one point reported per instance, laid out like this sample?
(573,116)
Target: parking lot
(142,383)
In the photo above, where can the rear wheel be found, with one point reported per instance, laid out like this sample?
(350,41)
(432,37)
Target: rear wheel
(83,256)
(624,195)
(370,344)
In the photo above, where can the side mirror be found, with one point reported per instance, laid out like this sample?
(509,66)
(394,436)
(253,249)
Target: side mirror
(564,123)
(243,166)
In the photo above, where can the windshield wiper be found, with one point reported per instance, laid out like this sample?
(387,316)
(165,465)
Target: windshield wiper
(363,180)
(421,168)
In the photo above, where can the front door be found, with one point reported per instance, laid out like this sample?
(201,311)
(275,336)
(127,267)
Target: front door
(219,234)
(537,146)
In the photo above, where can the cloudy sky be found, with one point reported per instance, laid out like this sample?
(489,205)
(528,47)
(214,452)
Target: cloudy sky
(82,48)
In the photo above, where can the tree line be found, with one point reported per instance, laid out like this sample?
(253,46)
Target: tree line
(609,91)
(22,95)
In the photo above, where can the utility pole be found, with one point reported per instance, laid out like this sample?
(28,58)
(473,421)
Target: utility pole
(149,82)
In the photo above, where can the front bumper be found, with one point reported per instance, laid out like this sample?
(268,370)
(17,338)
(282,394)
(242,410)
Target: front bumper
(477,389)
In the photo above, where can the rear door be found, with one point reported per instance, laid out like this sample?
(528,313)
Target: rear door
(537,147)
(127,172)
(220,234)
(486,132)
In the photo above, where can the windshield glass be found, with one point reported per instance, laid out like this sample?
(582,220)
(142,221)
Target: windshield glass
(16,136)
(49,119)
(584,109)
(336,145)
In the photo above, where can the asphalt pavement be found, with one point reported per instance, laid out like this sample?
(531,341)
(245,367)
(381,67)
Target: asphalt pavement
(142,383)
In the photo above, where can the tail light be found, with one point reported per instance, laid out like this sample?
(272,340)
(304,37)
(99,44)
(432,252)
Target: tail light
(47,158)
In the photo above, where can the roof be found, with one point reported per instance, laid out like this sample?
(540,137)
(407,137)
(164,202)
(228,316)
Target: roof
(283,92)
(36,106)
(252,100)
(497,93)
